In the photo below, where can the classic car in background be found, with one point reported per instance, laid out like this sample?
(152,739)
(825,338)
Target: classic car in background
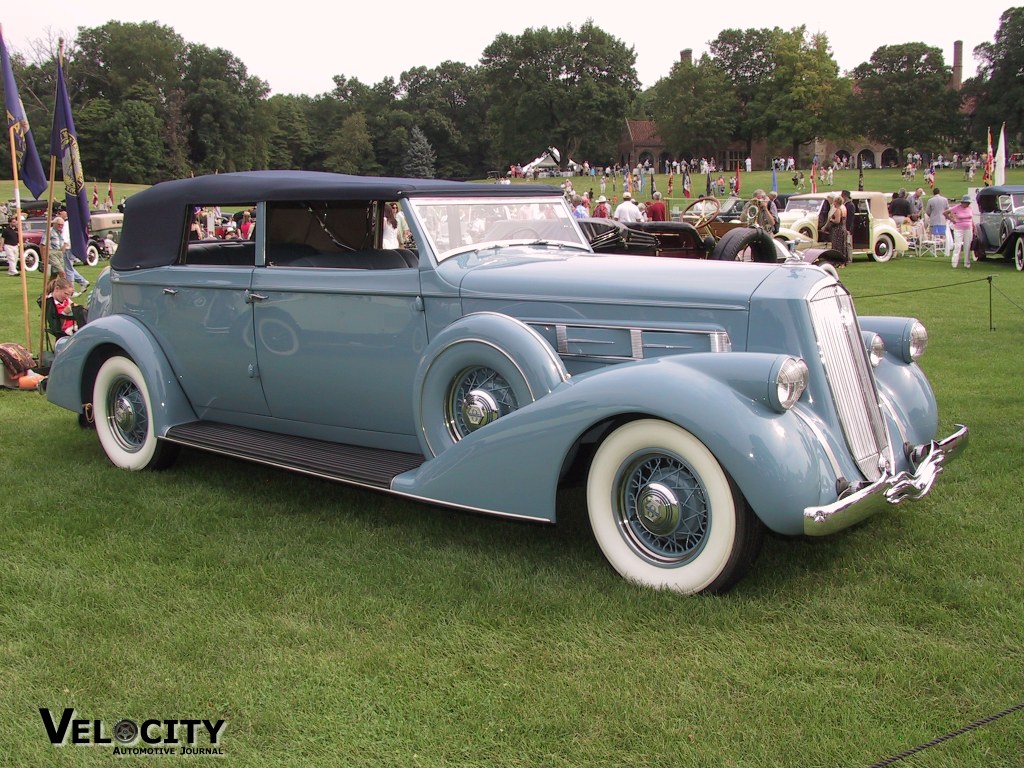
(32,232)
(103,224)
(681,240)
(702,402)
(874,232)
(1000,211)
(1012,247)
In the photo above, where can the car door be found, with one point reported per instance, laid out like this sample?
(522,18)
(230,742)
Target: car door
(200,312)
(339,347)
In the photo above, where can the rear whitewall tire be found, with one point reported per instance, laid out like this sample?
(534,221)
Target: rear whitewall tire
(123,415)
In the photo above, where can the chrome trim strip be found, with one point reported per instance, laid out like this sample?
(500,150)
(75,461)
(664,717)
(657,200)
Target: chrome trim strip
(636,343)
(718,339)
(822,440)
(928,462)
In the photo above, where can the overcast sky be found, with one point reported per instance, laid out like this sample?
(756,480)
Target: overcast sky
(297,47)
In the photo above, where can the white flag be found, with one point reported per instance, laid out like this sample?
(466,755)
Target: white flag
(999,177)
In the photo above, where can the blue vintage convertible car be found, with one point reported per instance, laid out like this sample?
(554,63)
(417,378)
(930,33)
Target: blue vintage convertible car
(486,354)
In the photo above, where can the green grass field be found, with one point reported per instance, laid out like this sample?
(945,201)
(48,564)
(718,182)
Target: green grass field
(336,627)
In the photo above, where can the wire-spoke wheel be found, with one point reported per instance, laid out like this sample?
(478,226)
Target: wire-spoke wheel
(666,514)
(122,411)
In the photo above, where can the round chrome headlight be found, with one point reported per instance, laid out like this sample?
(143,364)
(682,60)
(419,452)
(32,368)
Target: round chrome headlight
(790,383)
(917,341)
(876,350)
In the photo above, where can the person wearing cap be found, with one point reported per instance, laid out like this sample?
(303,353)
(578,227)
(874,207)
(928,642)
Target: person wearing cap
(602,210)
(627,211)
(656,208)
(963,230)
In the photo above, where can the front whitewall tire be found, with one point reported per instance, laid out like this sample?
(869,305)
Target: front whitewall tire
(665,513)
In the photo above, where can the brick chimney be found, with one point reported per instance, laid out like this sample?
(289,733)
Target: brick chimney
(957,78)
(686,56)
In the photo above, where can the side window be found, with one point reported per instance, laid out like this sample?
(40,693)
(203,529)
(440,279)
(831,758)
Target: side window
(337,234)
(220,236)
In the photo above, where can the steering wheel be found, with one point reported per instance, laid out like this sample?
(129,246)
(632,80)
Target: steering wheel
(711,207)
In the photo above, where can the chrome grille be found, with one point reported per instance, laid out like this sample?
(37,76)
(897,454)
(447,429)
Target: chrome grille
(849,377)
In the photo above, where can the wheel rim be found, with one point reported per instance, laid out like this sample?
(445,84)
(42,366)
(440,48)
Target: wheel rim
(1018,254)
(661,508)
(477,397)
(883,248)
(127,417)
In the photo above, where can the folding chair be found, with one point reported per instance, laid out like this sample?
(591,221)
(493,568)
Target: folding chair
(933,244)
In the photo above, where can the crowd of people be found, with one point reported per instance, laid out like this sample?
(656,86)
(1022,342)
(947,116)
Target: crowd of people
(917,217)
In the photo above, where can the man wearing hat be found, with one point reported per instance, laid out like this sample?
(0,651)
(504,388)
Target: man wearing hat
(602,210)
(627,211)
(963,230)
(656,208)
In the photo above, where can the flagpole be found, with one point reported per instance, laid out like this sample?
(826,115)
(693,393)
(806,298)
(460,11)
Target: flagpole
(46,235)
(21,241)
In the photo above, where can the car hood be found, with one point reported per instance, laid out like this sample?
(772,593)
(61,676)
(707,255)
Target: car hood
(614,279)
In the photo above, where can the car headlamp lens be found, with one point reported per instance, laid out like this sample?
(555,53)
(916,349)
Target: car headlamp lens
(917,342)
(876,350)
(791,382)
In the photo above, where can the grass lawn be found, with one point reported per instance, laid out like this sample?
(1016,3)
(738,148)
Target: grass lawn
(337,627)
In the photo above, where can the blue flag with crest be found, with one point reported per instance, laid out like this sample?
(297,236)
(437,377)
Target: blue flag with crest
(64,146)
(30,169)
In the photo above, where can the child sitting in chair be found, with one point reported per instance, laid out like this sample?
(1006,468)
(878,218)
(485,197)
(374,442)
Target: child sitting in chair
(63,317)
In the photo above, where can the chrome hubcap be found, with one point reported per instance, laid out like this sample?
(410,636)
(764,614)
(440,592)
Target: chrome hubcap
(479,409)
(658,509)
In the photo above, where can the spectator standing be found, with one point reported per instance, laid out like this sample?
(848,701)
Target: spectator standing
(837,223)
(602,210)
(9,235)
(72,274)
(935,211)
(917,201)
(627,211)
(851,214)
(963,230)
(656,208)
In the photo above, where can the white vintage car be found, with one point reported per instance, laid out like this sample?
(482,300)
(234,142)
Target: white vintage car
(874,231)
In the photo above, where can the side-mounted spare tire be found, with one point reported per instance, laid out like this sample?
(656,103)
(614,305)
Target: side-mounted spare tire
(736,241)
(478,369)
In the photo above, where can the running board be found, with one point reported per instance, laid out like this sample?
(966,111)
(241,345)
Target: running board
(372,467)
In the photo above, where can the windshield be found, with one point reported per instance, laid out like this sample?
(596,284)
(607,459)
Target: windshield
(812,205)
(459,224)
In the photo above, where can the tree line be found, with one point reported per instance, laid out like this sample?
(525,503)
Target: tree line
(150,106)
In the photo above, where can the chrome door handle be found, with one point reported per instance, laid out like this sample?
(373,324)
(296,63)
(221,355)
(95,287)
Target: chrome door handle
(251,297)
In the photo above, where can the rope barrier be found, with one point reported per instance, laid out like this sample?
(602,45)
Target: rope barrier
(947,736)
(988,279)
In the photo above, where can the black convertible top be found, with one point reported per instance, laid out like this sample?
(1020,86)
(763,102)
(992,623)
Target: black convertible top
(156,220)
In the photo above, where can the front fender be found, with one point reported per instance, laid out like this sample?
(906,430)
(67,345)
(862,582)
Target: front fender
(79,358)
(512,465)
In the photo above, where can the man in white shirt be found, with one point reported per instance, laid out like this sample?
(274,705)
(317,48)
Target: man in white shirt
(627,211)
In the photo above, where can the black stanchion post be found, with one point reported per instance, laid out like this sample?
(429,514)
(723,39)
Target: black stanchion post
(990,326)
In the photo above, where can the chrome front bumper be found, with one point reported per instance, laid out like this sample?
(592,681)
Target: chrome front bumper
(927,460)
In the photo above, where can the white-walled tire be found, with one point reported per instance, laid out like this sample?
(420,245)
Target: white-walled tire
(92,255)
(122,412)
(1018,254)
(31,259)
(885,248)
(664,512)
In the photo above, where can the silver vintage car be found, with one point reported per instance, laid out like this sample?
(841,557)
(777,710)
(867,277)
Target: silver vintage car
(462,345)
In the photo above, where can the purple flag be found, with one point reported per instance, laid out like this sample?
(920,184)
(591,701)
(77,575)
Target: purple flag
(64,145)
(30,169)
